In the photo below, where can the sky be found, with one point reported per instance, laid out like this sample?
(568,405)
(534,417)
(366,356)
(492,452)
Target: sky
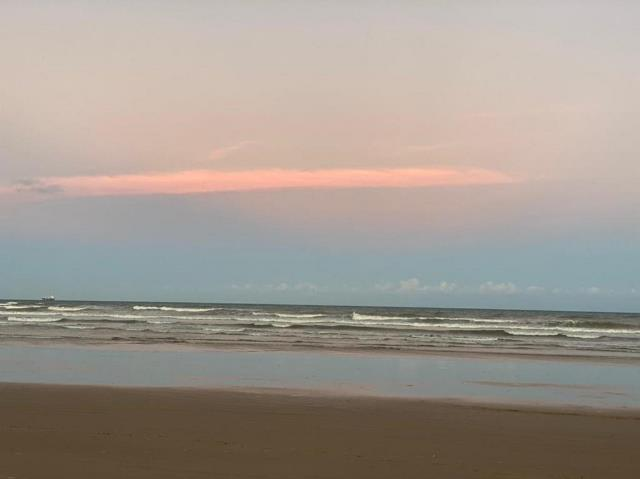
(446,154)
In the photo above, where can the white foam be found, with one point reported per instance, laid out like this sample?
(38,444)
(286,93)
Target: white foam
(475,320)
(532,333)
(34,320)
(89,317)
(470,340)
(581,333)
(584,336)
(170,308)
(302,316)
(564,330)
(225,330)
(68,308)
(357,316)
(22,306)
(118,316)
(288,320)
(10,303)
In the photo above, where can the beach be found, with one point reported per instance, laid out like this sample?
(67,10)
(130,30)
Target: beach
(52,431)
(319,239)
(93,402)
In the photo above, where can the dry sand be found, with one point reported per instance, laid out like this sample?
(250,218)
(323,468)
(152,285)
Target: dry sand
(92,433)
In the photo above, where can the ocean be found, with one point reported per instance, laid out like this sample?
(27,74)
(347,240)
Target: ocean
(321,327)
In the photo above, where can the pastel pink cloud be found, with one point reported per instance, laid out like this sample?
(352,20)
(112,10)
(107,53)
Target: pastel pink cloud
(205,181)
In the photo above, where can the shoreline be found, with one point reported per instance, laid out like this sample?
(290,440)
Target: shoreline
(55,431)
(611,385)
(541,354)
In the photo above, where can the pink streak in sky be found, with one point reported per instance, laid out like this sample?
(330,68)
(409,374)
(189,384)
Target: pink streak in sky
(205,181)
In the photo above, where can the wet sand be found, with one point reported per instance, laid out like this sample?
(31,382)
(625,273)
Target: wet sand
(101,432)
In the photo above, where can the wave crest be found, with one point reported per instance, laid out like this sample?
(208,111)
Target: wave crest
(33,320)
(172,308)
(68,308)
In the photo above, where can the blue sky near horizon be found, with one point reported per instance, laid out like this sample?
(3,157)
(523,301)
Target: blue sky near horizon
(476,154)
(101,249)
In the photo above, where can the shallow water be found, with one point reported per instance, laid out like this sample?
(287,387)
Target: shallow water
(520,380)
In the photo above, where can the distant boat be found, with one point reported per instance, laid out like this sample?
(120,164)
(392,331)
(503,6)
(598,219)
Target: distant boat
(48,299)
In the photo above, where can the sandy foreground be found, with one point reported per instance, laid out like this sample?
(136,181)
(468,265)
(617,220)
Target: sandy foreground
(100,432)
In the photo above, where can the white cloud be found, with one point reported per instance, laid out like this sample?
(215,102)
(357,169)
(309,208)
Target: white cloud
(498,288)
(278,287)
(409,285)
(414,285)
(445,287)
(306,287)
(535,289)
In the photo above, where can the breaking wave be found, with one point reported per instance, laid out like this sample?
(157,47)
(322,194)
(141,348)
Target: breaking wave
(358,316)
(324,326)
(22,306)
(68,308)
(23,319)
(171,308)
